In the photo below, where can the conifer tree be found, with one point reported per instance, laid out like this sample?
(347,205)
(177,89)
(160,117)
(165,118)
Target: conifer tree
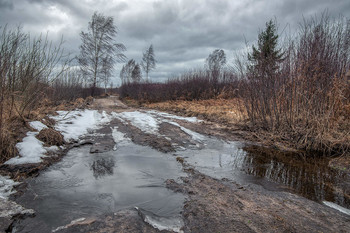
(266,57)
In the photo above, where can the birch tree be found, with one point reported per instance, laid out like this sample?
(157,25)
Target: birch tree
(98,44)
(148,62)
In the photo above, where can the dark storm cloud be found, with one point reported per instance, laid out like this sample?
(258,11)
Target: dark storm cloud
(183,32)
(6,4)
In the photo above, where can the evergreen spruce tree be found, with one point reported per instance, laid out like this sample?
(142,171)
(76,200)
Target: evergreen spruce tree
(266,57)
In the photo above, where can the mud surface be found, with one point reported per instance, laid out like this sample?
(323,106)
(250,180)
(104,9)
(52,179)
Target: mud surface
(225,206)
(199,172)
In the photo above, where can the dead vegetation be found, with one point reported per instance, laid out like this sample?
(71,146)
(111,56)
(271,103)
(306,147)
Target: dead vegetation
(302,99)
(15,127)
(226,111)
(35,80)
(50,137)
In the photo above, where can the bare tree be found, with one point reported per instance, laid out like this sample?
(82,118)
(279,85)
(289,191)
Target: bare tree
(123,74)
(99,44)
(106,71)
(131,72)
(136,74)
(148,62)
(215,62)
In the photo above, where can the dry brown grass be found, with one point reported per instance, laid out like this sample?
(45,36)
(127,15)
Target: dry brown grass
(227,111)
(50,137)
(7,147)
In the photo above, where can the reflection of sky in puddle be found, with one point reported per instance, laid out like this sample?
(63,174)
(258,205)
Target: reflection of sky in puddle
(84,184)
(274,171)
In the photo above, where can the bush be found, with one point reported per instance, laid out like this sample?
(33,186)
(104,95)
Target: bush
(306,100)
(194,85)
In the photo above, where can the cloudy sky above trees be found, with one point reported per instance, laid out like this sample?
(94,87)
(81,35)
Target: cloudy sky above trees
(183,32)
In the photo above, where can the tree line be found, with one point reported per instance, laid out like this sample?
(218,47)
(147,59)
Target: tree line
(293,88)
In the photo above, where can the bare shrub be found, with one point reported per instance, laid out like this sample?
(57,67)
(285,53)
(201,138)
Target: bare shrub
(27,67)
(194,85)
(305,100)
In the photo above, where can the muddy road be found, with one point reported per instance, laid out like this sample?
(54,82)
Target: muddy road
(149,171)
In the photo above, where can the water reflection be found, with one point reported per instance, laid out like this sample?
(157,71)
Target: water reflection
(83,185)
(102,167)
(274,170)
(312,178)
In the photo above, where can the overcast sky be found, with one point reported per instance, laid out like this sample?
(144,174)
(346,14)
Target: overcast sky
(183,32)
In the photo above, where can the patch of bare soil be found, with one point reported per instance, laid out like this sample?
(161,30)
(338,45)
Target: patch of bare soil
(112,103)
(223,206)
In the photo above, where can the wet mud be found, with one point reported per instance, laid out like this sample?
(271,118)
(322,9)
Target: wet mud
(200,175)
(225,206)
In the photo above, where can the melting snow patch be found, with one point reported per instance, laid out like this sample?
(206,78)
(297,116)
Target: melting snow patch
(337,207)
(77,123)
(6,187)
(119,138)
(116,116)
(143,121)
(195,136)
(168,115)
(9,208)
(161,223)
(37,125)
(69,225)
(31,150)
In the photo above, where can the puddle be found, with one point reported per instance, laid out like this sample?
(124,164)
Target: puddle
(311,178)
(132,176)
(85,184)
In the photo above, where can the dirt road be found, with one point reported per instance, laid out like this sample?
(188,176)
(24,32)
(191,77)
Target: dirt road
(148,171)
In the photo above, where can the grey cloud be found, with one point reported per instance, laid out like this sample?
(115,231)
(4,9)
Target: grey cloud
(183,32)
(6,4)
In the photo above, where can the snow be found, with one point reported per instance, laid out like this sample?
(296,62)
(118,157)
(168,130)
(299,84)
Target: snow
(116,116)
(37,125)
(119,138)
(337,207)
(6,187)
(195,136)
(70,224)
(171,116)
(9,208)
(71,124)
(31,150)
(144,121)
(173,224)
(149,122)
(76,123)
